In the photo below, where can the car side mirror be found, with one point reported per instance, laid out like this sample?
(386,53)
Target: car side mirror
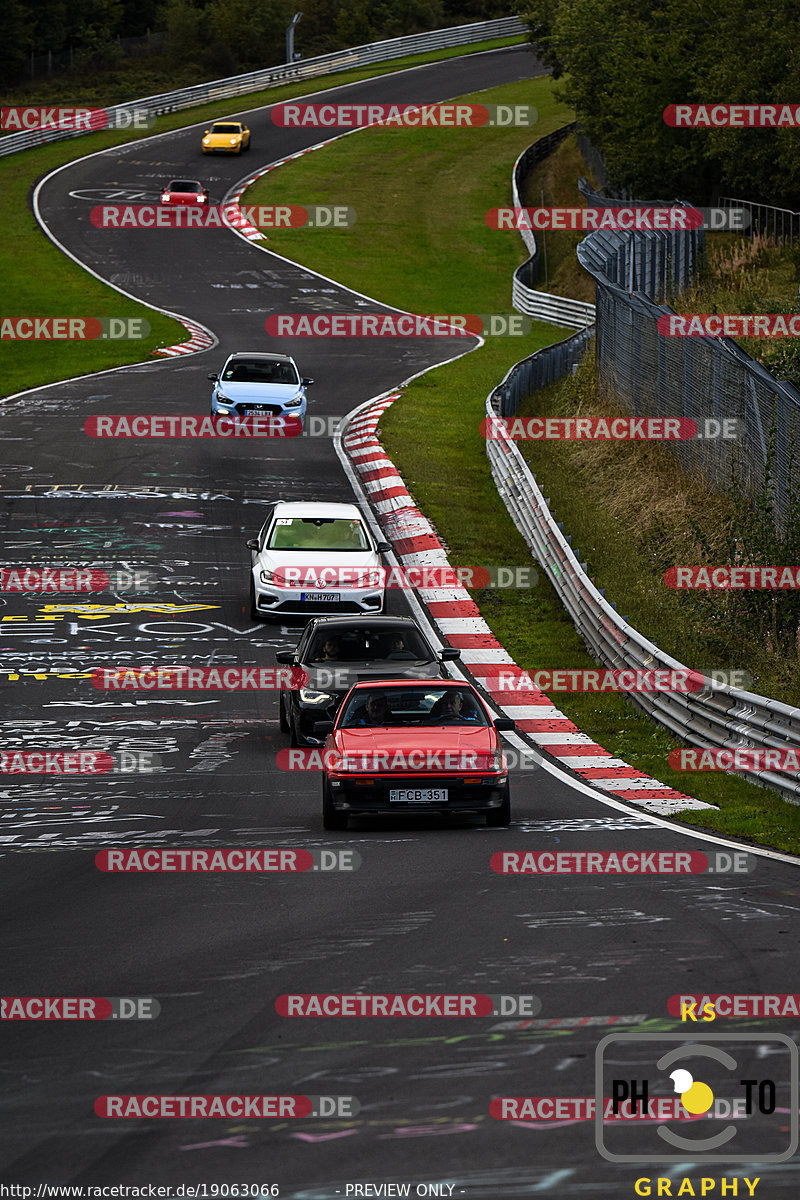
(383,548)
(284,656)
(449,653)
(307,382)
(213,378)
(252,544)
(504,724)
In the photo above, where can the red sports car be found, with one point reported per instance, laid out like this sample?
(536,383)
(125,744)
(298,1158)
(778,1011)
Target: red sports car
(184,191)
(429,746)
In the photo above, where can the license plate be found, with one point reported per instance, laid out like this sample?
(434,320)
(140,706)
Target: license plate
(326,597)
(254,412)
(418,795)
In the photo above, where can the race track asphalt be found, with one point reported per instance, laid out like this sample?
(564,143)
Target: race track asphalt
(424,913)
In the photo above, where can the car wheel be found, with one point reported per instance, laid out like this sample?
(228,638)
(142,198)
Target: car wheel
(331,819)
(501,816)
(239,148)
(282,721)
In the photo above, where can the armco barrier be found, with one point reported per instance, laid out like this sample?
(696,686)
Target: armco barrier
(725,717)
(542,306)
(325,64)
(541,368)
(722,717)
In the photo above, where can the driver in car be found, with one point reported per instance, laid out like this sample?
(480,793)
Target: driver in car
(451,707)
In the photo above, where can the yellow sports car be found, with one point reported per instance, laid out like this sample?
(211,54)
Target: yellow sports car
(226,137)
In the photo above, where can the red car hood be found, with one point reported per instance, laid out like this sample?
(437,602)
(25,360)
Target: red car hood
(436,748)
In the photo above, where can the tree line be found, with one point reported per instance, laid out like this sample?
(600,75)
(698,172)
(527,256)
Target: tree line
(218,37)
(621,63)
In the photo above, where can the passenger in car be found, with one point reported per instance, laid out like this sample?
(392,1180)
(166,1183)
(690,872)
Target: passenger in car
(376,711)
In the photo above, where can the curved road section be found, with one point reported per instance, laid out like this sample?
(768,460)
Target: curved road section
(426,913)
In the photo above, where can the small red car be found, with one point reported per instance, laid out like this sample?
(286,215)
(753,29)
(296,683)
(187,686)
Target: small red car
(421,746)
(184,191)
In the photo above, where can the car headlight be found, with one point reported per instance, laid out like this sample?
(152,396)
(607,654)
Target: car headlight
(206,139)
(223,399)
(311,696)
(294,402)
(233,141)
(267,576)
(165,198)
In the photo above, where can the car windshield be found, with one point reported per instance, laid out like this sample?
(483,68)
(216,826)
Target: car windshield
(368,645)
(423,705)
(226,129)
(184,185)
(318,533)
(257,370)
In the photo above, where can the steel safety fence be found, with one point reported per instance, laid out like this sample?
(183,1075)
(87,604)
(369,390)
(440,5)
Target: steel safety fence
(241,85)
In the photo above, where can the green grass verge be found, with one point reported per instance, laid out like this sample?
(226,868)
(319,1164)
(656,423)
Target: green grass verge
(44,282)
(420,240)
(420,243)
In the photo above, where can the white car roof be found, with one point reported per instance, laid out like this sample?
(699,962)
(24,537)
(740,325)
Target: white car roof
(312,508)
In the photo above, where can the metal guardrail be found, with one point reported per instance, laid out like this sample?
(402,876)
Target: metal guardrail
(539,369)
(718,716)
(542,306)
(780,225)
(324,64)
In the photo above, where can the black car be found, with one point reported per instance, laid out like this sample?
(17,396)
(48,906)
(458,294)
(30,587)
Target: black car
(336,652)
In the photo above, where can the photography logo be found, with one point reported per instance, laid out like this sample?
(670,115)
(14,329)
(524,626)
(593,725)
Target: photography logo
(739,1092)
